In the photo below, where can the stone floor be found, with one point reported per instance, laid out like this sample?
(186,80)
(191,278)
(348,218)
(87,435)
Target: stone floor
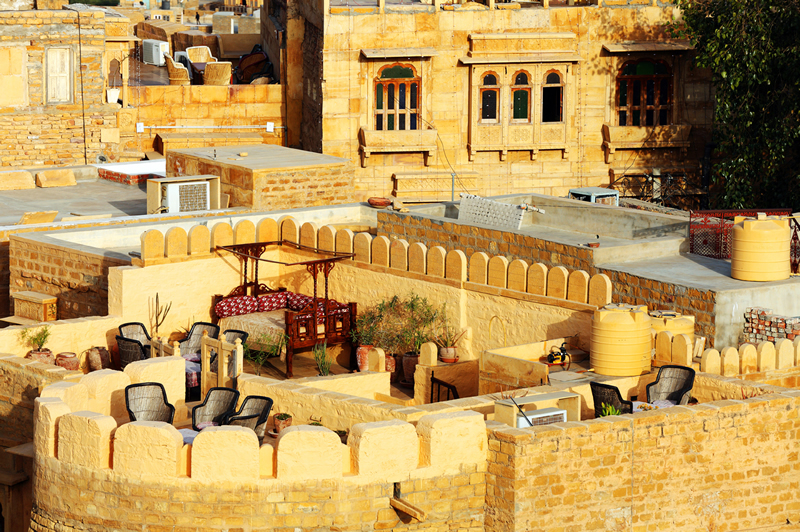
(86,198)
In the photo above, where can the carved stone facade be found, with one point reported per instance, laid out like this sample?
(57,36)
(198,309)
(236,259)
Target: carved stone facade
(518,93)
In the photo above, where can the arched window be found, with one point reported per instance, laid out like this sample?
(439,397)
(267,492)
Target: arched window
(490,97)
(644,94)
(397,91)
(553,97)
(521,97)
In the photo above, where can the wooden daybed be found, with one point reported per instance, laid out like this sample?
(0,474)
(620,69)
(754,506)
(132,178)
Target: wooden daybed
(306,320)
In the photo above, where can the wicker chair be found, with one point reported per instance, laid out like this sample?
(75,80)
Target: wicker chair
(147,401)
(215,408)
(218,73)
(200,54)
(178,74)
(130,351)
(253,414)
(191,344)
(136,331)
(673,384)
(605,393)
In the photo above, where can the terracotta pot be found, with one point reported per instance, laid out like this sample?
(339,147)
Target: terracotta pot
(391,367)
(379,202)
(281,424)
(448,354)
(45,356)
(69,361)
(98,358)
(362,356)
(410,361)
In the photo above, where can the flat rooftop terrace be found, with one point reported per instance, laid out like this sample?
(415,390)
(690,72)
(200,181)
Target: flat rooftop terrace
(262,157)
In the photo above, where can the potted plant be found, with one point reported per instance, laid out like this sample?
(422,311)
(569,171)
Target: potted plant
(36,338)
(364,334)
(271,345)
(447,339)
(282,421)
(419,316)
(322,359)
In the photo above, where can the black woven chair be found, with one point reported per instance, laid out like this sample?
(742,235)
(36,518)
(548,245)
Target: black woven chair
(605,393)
(130,351)
(136,331)
(191,344)
(215,408)
(673,383)
(147,401)
(253,414)
(230,336)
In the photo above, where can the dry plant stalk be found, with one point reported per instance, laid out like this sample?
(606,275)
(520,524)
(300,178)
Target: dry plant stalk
(504,395)
(158,314)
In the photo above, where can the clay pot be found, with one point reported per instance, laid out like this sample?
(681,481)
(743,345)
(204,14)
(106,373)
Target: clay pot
(391,367)
(45,356)
(281,424)
(379,202)
(362,357)
(68,361)
(448,354)
(410,361)
(98,358)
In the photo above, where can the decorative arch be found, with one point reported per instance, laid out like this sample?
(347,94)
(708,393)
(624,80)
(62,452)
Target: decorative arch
(397,98)
(521,96)
(490,97)
(553,96)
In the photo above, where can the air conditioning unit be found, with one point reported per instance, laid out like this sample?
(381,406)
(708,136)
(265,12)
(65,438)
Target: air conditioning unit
(545,416)
(185,197)
(153,52)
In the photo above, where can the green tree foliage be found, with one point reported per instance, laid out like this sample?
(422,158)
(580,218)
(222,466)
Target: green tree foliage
(752,48)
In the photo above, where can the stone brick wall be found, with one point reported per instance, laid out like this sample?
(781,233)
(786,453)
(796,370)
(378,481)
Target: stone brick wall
(20,382)
(34,132)
(78,279)
(309,187)
(472,239)
(760,325)
(199,106)
(713,466)
(453,502)
(628,288)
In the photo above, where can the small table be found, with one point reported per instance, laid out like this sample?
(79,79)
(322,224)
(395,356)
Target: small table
(198,69)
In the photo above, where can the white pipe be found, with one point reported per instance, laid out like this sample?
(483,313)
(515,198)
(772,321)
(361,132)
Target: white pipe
(212,127)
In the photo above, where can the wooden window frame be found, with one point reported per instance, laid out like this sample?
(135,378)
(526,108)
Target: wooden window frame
(69,74)
(395,110)
(643,108)
(526,88)
(490,88)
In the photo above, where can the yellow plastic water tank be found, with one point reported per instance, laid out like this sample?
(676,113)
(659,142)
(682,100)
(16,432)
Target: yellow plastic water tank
(621,344)
(674,322)
(760,249)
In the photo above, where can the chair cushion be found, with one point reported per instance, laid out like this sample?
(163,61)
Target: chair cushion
(270,302)
(235,306)
(204,424)
(297,301)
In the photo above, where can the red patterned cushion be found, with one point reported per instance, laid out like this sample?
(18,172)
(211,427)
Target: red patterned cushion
(297,301)
(270,302)
(235,306)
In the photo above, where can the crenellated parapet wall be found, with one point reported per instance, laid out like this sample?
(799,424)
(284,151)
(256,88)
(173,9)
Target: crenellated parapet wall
(397,255)
(91,473)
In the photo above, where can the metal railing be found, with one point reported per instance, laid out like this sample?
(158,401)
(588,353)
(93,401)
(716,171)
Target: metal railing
(710,232)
